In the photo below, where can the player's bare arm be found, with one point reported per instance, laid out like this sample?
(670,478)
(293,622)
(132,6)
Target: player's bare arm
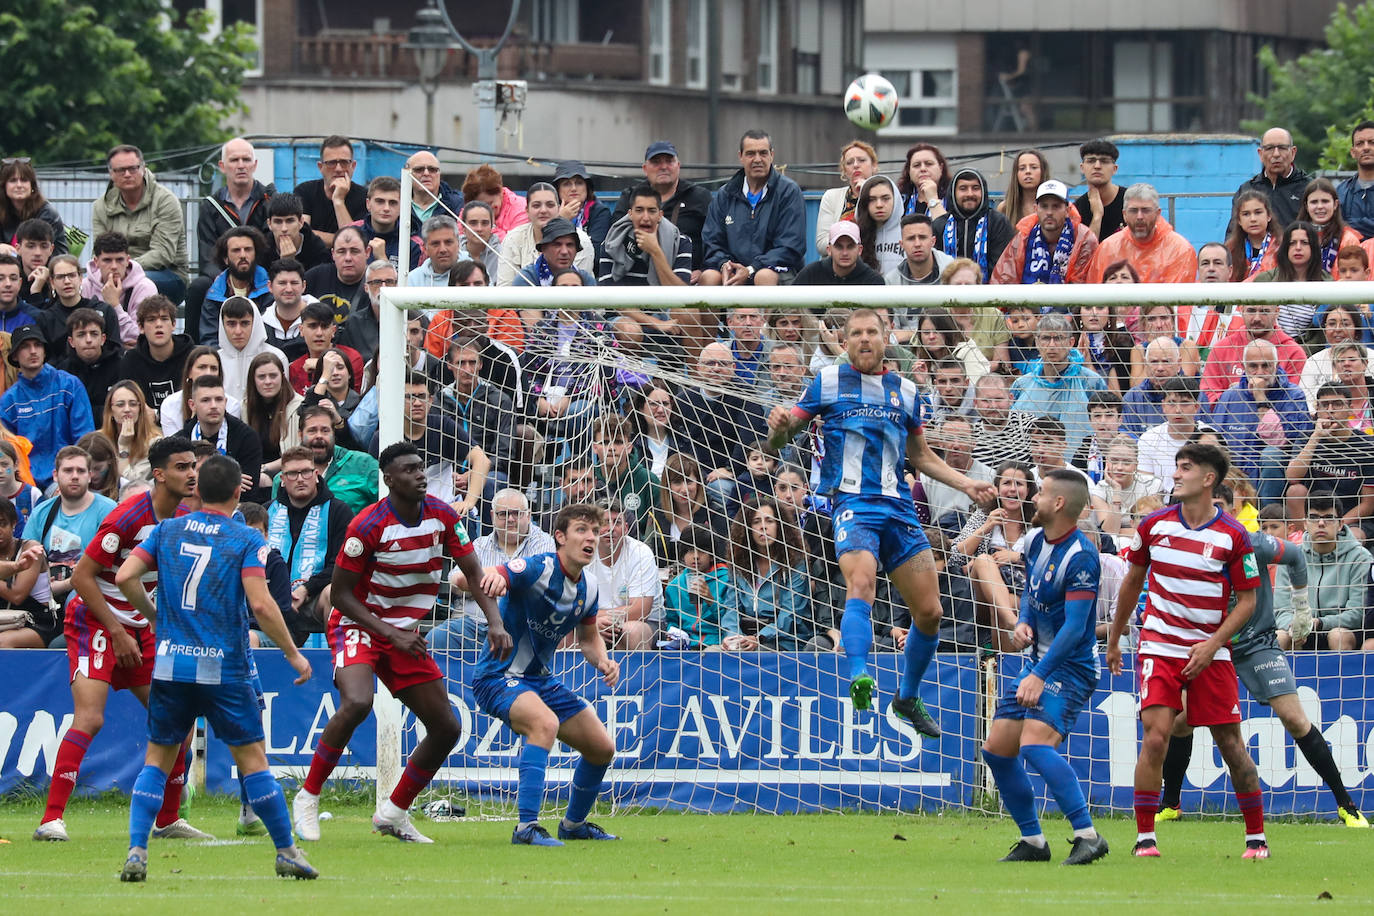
(594,651)
(471,569)
(347,603)
(129,580)
(1200,655)
(269,618)
(925,461)
(126,648)
(1131,584)
(783,423)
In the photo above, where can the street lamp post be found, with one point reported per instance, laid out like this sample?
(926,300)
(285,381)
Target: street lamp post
(429,41)
(485,87)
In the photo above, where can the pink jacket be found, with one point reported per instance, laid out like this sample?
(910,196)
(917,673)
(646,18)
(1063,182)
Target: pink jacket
(137,287)
(512,213)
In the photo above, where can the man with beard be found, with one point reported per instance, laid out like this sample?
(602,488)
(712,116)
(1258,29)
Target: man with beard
(972,229)
(238,250)
(351,476)
(1052,247)
(306,522)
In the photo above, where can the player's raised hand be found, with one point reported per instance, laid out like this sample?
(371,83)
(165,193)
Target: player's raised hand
(982,493)
(493,583)
(1199,657)
(610,671)
(301,665)
(500,641)
(1114,657)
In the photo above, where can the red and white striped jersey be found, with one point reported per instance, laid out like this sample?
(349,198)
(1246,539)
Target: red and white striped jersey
(1193,572)
(401,564)
(122,531)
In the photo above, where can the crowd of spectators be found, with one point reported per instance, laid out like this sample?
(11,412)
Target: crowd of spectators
(714,539)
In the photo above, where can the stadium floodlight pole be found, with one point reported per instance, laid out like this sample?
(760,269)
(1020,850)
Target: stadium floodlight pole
(485,87)
(764,297)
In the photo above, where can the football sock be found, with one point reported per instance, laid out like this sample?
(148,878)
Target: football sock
(1062,782)
(265,795)
(171,794)
(920,649)
(1176,762)
(856,635)
(321,765)
(529,796)
(413,779)
(1146,807)
(144,801)
(1318,753)
(1014,786)
(245,809)
(68,764)
(1252,808)
(586,786)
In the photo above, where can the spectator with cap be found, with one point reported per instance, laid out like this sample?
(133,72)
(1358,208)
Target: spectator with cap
(684,203)
(844,265)
(521,245)
(45,405)
(558,249)
(577,202)
(1050,246)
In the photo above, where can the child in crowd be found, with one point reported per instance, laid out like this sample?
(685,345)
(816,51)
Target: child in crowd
(1015,354)
(760,461)
(700,600)
(1104,416)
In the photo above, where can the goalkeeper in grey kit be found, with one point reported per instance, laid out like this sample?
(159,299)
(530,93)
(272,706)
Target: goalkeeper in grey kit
(1263,669)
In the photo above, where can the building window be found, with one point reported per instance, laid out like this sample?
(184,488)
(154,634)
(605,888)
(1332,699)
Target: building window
(696,44)
(927,94)
(660,26)
(554,22)
(768,46)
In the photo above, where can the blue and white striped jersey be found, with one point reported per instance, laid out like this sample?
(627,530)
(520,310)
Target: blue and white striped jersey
(540,607)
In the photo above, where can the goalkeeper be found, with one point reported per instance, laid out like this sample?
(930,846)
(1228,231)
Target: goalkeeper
(870,418)
(1263,669)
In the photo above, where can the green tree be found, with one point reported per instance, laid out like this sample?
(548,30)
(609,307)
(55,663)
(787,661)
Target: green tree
(81,77)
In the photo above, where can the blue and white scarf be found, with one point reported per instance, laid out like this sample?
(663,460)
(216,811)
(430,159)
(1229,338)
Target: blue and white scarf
(542,272)
(1254,258)
(1041,266)
(1329,254)
(950,241)
(221,441)
(311,548)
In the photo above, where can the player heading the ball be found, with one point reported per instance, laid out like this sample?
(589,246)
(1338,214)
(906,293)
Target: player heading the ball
(211,567)
(1197,557)
(870,421)
(385,582)
(1058,619)
(543,599)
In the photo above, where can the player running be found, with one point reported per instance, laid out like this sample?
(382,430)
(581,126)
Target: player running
(385,582)
(211,567)
(543,599)
(1197,557)
(109,643)
(870,420)
(1058,618)
(1263,668)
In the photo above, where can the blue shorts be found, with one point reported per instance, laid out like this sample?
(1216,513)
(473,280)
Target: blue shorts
(496,695)
(891,534)
(1062,700)
(233,710)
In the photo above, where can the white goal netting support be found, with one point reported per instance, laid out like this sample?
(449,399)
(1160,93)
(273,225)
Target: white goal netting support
(771,728)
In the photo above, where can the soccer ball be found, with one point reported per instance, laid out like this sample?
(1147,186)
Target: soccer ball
(870,102)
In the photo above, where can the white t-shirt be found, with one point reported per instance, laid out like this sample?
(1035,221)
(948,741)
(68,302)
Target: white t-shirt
(1155,452)
(634,574)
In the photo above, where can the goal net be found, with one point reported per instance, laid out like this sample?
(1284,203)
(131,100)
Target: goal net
(718,574)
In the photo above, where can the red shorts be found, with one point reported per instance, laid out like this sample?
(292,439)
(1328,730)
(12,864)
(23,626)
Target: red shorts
(1213,696)
(357,645)
(90,654)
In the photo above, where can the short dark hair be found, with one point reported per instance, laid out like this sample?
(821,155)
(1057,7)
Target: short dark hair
(1108,399)
(420,379)
(314,410)
(1363,125)
(1099,147)
(253,514)
(298,453)
(1181,384)
(578,512)
(219,479)
(84,317)
(8,513)
(1049,426)
(402,449)
(318,313)
(1210,455)
(334,140)
(109,243)
(10,260)
(1323,501)
(913,219)
(754,134)
(70,451)
(1224,493)
(1272,513)
(156,306)
(162,450)
(383,183)
(645,190)
(1078,486)
(285,204)
(285,266)
(206,381)
(1333,390)
(237,307)
(34,230)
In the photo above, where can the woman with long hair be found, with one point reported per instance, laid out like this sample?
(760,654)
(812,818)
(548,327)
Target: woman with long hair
(858,163)
(880,224)
(105,478)
(1298,261)
(270,406)
(21,199)
(175,412)
(768,566)
(1105,345)
(985,548)
(1124,271)
(1029,170)
(13,487)
(1253,242)
(1321,207)
(129,423)
(331,384)
(924,181)
(1339,324)
(939,336)
(681,504)
(654,408)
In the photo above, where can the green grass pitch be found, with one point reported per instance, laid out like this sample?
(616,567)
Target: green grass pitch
(678,863)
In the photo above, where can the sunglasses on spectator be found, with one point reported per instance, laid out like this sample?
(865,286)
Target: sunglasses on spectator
(11,160)
(422,169)
(335,163)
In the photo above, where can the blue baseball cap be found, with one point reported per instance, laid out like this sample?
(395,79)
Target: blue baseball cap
(659,148)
